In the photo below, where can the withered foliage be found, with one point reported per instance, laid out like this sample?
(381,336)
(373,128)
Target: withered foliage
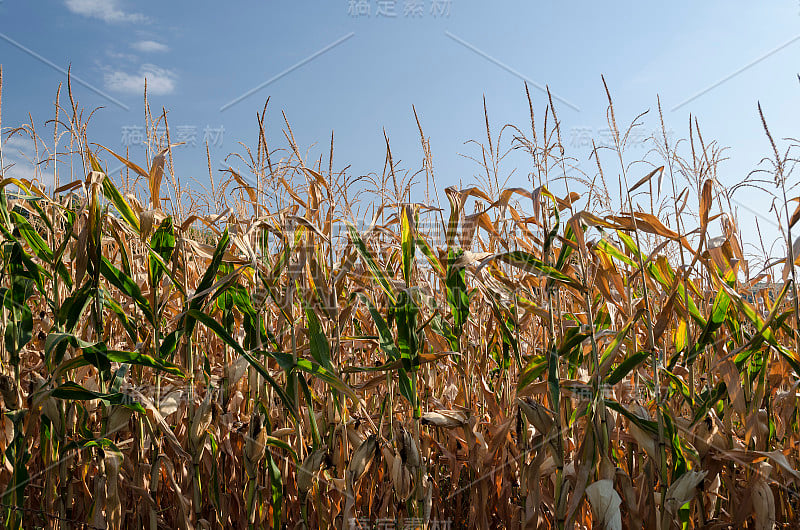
(255,355)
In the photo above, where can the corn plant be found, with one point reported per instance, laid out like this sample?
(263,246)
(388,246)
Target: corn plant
(252,355)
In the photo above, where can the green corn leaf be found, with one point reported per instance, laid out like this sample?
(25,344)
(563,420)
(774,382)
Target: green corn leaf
(456,292)
(214,326)
(72,308)
(320,347)
(626,367)
(384,333)
(407,240)
(75,392)
(169,344)
(206,282)
(710,402)
(610,250)
(406,313)
(532,372)
(277,443)
(123,318)
(646,425)
(276,488)
(553,233)
(39,246)
(573,338)
(613,347)
(20,263)
(163,244)
(112,193)
(141,359)
(407,384)
(429,254)
(507,329)
(311,416)
(98,354)
(682,387)
(376,271)
(719,312)
(36,242)
(288,364)
(529,262)
(654,271)
(130,288)
(566,249)
(553,382)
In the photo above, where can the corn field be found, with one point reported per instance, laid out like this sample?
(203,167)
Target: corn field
(294,347)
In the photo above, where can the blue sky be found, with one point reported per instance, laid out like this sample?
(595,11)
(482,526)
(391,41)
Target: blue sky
(358,73)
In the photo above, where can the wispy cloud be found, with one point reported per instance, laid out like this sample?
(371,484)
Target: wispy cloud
(19,160)
(160,81)
(105,10)
(149,46)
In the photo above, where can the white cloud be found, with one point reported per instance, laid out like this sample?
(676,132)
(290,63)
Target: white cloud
(105,10)
(19,143)
(160,81)
(121,56)
(19,159)
(149,46)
